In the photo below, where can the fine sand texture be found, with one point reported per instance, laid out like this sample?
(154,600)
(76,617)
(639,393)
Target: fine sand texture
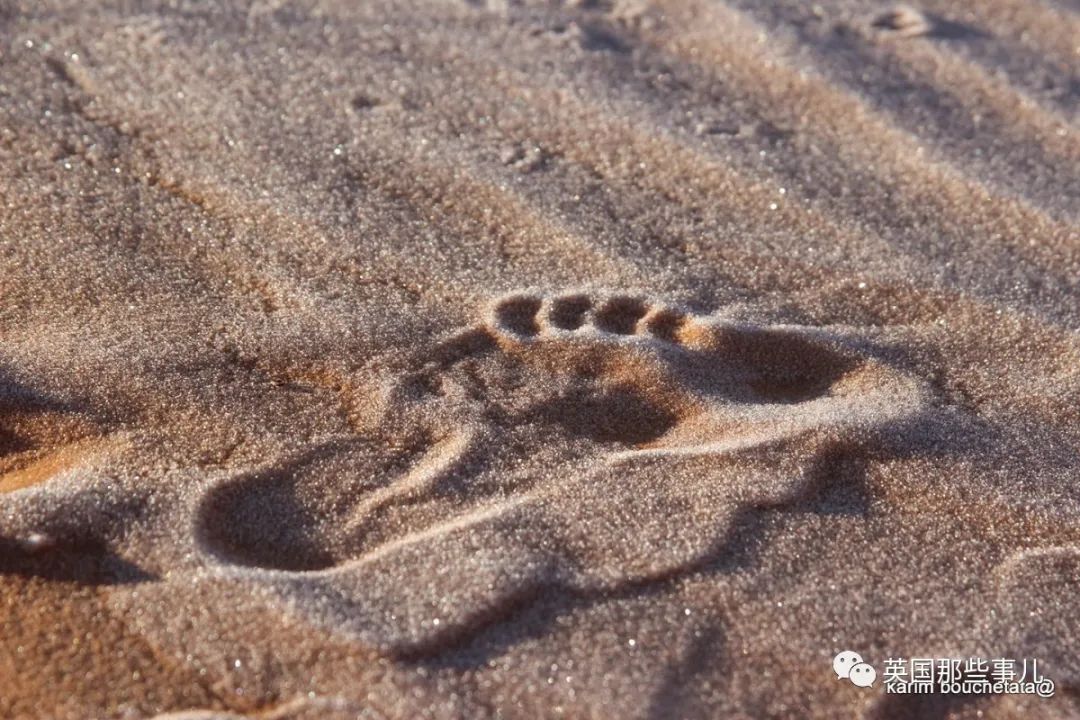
(535,358)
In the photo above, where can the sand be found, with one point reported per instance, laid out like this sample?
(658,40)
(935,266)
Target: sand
(516,358)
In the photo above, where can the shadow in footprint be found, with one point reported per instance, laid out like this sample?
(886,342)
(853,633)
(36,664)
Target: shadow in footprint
(619,415)
(782,367)
(263,523)
(518,314)
(569,313)
(621,315)
(269,520)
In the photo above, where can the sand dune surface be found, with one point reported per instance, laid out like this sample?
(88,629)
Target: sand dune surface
(530,358)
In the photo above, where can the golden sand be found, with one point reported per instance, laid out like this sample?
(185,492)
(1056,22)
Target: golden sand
(515,358)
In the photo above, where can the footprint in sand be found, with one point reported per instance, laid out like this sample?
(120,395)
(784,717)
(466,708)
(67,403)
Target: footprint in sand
(580,441)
